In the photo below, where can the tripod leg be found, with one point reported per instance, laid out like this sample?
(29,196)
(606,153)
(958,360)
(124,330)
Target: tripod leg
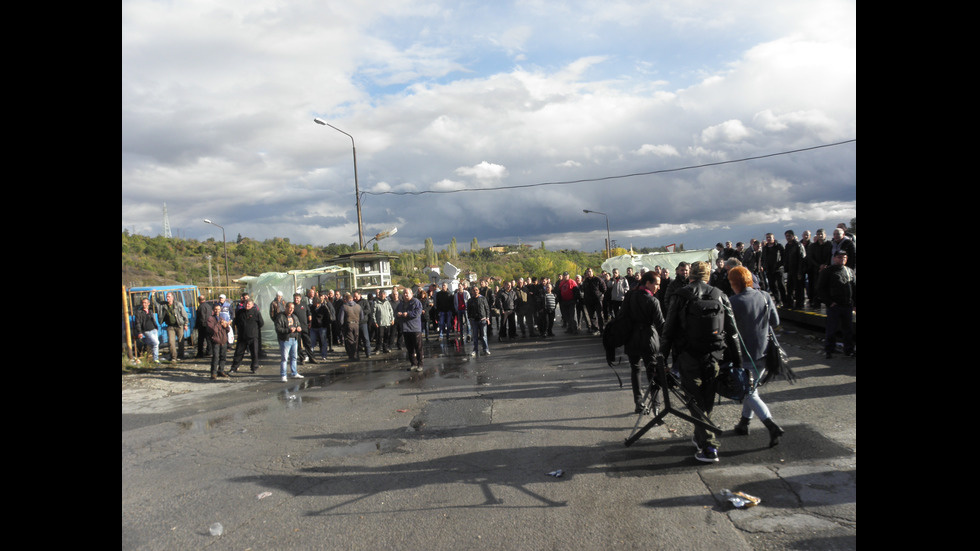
(647,402)
(688,401)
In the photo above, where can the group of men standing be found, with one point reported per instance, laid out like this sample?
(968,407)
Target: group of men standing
(791,272)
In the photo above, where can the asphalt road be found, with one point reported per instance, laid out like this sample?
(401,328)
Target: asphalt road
(367,455)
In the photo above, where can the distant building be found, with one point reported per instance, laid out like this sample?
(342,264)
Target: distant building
(368,271)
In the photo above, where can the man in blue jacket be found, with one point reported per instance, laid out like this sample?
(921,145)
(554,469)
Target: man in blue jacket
(409,314)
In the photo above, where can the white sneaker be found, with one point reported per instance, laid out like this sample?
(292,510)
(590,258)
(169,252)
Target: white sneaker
(297,376)
(284,379)
(472,353)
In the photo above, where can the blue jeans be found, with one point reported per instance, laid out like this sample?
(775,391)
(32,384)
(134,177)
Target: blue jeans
(287,350)
(319,334)
(479,328)
(152,340)
(445,318)
(754,404)
(365,337)
(465,327)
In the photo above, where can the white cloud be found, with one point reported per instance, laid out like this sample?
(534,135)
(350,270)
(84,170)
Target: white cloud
(728,132)
(218,101)
(484,172)
(662,150)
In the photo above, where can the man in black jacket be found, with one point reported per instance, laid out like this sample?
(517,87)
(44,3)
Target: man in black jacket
(444,308)
(838,289)
(364,331)
(506,303)
(478,310)
(302,312)
(700,344)
(795,264)
(647,319)
(248,323)
(773,268)
(593,289)
(818,257)
(201,324)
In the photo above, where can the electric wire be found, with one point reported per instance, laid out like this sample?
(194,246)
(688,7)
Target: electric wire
(603,178)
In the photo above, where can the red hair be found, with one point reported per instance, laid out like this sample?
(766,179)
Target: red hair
(740,277)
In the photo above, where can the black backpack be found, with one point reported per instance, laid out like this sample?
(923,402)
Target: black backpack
(704,323)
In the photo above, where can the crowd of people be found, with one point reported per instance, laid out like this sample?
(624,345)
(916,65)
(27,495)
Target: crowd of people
(740,294)
(809,271)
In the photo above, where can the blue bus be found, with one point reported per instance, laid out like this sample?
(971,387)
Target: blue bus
(185,295)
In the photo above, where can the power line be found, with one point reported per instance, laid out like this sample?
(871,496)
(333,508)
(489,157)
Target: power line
(663,171)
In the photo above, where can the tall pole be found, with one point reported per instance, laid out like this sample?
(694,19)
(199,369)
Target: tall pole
(357,190)
(608,240)
(225,242)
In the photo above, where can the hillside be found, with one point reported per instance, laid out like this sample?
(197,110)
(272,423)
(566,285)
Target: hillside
(162,261)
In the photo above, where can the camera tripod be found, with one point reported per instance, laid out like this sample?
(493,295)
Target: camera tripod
(669,383)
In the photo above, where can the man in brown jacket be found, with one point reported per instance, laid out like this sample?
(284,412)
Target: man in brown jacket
(218,333)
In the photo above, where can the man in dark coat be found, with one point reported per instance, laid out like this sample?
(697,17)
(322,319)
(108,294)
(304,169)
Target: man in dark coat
(773,267)
(647,319)
(350,323)
(795,264)
(302,311)
(248,323)
(700,349)
(201,322)
(593,289)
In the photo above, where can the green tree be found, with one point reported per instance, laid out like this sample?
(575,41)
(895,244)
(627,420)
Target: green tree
(540,266)
(474,246)
(430,252)
(452,254)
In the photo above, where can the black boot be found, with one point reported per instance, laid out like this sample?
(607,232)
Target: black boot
(742,428)
(774,431)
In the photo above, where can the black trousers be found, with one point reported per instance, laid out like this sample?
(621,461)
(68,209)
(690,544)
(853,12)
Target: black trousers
(649,367)
(243,344)
(413,343)
(383,337)
(203,342)
(305,344)
(218,358)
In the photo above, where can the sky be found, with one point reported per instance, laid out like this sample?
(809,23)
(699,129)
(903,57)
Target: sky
(687,121)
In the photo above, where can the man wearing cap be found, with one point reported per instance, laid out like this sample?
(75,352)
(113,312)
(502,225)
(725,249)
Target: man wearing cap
(277,307)
(838,290)
(226,307)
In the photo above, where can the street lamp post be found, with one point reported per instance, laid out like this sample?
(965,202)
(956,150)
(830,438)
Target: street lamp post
(608,242)
(382,235)
(225,242)
(357,190)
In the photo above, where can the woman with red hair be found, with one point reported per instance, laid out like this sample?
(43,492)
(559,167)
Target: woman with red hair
(754,313)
